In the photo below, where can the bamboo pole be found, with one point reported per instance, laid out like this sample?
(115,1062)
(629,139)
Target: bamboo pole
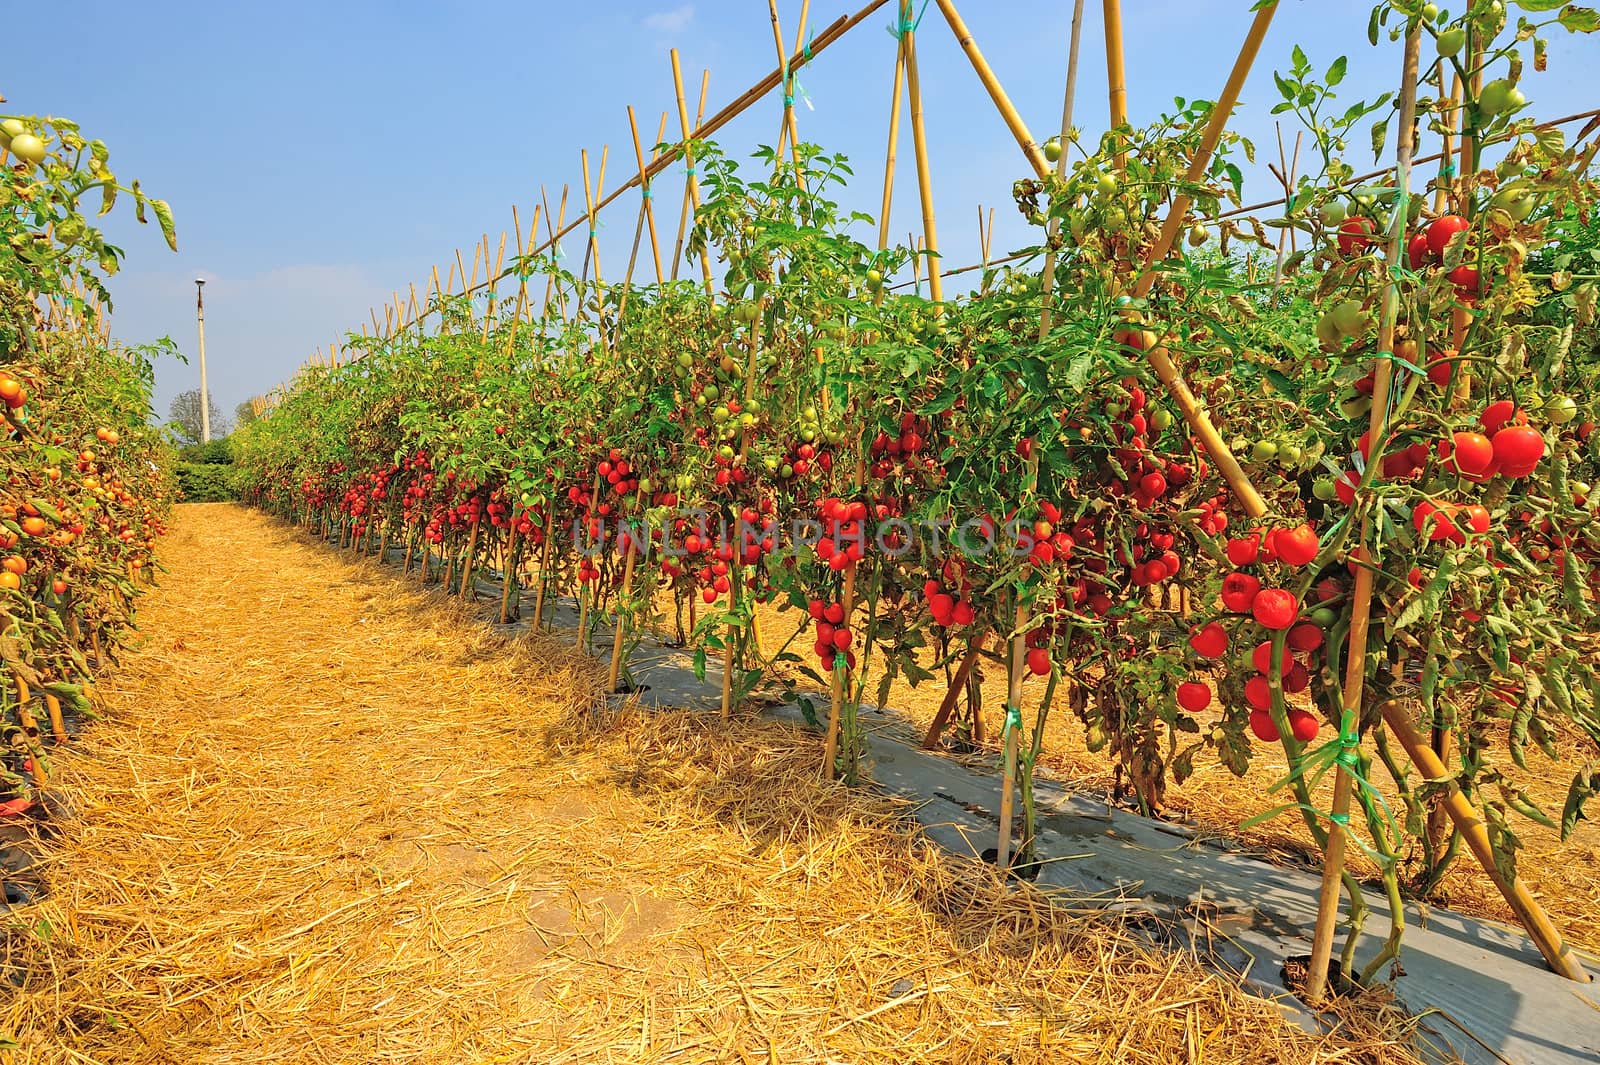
(1157,356)
(627,588)
(788,129)
(947,707)
(683,210)
(544,567)
(835,30)
(1013,120)
(58,726)
(836,692)
(466,565)
(1361,602)
(1116,74)
(30,727)
(919,143)
(1545,935)
(1017,667)
(688,161)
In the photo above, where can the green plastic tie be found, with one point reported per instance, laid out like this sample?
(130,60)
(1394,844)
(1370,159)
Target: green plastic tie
(1342,820)
(1013,720)
(1403,363)
(645,192)
(906,24)
(688,171)
(1447,170)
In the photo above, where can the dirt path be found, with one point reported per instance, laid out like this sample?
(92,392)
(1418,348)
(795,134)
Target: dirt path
(332,818)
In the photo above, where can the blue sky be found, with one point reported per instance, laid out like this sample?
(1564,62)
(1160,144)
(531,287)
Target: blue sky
(319,156)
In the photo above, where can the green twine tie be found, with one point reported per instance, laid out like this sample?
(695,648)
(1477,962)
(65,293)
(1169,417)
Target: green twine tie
(1447,170)
(906,23)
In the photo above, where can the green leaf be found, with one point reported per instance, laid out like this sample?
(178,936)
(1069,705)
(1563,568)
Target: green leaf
(1580,19)
(1538,5)
(164,218)
(1336,72)
(1585,786)
(1380,133)
(108,196)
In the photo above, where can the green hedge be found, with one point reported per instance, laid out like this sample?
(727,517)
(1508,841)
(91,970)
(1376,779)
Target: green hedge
(204,482)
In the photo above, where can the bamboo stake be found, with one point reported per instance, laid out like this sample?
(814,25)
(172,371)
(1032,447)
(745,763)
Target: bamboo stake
(683,211)
(688,160)
(1013,120)
(788,129)
(58,726)
(1361,602)
(1544,934)
(894,145)
(1157,356)
(1116,74)
(957,684)
(510,574)
(836,692)
(1018,665)
(466,565)
(30,726)
(627,588)
(919,143)
(544,566)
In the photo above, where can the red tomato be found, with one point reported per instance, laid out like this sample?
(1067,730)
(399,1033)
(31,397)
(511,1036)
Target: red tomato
(1355,235)
(1441,230)
(1039,662)
(1210,641)
(1417,251)
(1305,637)
(1244,550)
(1194,696)
(1297,546)
(1518,449)
(1304,725)
(1262,725)
(1470,453)
(1261,658)
(1465,279)
(1258,692)
(1296,679)
(1496,415)
(1275,608)
(1239,591)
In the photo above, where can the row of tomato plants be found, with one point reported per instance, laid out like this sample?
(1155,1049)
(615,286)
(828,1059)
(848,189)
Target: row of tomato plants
(84,488)
(1097,529)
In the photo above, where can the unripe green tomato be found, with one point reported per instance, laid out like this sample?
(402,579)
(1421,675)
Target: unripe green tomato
(1561,409)
(1263,451)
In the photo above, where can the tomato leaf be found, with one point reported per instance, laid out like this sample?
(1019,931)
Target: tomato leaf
(1579,19)
(1585,786)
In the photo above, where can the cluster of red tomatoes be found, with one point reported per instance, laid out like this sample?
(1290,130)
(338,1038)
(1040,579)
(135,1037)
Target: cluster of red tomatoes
(909,450)
(1273,610)
(833,635)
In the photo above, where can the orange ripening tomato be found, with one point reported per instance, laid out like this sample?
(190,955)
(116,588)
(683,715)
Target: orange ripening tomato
(35,526)
(10,580)
(15,564)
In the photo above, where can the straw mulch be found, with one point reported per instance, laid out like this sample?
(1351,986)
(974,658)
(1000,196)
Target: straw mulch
(332,818)
(1563,875)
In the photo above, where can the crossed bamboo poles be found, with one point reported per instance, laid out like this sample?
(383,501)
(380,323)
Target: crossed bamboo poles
(1466,818)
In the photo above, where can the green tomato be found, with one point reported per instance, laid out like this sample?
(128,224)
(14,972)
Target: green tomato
(1451,41)
(1289,455)
(721,414)
(1323,617)
(874,280)
(1496,97)
(1332,213)
(11,127)
(1161,418)
(28,148)
(1105,184)
(1323,488)
(685,360)
(1561,409)
(1263,451)
(1052,149)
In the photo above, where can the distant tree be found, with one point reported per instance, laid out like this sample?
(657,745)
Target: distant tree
(244,413)
(185,415)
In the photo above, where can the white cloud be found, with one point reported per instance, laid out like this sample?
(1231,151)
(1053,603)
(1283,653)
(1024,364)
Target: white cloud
(674,21)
